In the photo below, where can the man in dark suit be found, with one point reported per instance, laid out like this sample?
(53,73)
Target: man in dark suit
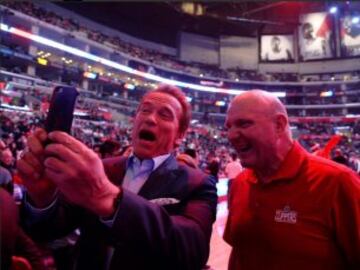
(142,212)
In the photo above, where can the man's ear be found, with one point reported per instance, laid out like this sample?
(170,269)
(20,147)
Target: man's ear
(281,123)
(178,140)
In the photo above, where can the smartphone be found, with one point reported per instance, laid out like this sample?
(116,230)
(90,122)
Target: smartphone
(61,110)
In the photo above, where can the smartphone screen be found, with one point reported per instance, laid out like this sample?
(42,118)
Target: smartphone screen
(61,110)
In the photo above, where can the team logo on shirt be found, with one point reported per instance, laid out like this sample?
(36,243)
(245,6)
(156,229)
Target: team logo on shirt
(286,215)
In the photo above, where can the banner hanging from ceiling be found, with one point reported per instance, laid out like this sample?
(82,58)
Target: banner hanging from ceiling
(277,48)
(350,36)
(316,36)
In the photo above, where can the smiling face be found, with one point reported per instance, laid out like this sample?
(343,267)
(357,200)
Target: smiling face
(252,132)
(156,126)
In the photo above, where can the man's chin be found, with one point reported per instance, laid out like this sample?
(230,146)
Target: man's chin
(247,164)
(143,153)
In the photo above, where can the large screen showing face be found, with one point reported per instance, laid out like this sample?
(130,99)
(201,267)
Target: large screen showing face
(277,48)
(350,36)
(316,36)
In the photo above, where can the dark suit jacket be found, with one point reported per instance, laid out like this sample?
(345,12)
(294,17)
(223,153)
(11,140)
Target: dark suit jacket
(13,240)
(144,235)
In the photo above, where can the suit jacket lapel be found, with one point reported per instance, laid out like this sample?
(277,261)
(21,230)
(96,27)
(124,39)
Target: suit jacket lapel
(160,179)
(115,169)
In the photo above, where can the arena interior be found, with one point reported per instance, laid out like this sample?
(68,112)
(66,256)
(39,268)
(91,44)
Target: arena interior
(305,53)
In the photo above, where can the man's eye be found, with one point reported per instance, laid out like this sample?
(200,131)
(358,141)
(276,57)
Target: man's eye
(145,110)
(166,114)
(244,125)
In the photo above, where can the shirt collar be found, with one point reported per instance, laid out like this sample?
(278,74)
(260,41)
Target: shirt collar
(288,169)
(157,161)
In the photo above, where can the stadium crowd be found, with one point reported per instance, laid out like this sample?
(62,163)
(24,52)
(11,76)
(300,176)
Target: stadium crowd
(206,137)
(208,142)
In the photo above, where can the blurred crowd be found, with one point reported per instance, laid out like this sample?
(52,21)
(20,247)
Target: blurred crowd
(206,140)
(207,144)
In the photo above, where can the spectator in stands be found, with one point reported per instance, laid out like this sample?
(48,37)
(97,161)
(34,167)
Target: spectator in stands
(287,195)
(326,150)
(144,212)
(126,151)
(232,169)
(187,160)
(315,149)
(354,162)
(192,153)
(17,250)
(7,160)
(339,157)
(213,165)
(109,148)
(6,180)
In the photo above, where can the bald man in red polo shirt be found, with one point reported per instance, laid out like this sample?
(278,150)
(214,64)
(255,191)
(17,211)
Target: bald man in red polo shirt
(288,209)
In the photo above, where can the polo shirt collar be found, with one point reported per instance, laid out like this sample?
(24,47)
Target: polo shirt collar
(288,169)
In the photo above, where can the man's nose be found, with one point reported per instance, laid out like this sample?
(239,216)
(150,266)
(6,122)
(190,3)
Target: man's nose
(151,119)
(233,134)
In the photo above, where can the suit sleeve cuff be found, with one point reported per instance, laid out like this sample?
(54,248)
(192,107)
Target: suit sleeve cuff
(109,221)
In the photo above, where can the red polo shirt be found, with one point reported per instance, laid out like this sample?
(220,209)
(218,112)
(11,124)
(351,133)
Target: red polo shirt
(307,217)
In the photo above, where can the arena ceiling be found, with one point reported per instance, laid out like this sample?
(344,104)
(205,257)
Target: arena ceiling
(161,21)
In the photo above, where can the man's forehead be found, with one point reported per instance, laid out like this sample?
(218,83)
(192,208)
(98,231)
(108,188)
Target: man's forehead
(255,100)
(242,107)
(157,96)
(245,110)
(166,100)
(238,112)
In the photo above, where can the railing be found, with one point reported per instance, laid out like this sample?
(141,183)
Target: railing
(48,86)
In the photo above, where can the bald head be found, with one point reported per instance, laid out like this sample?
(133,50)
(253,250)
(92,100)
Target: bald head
(261,102)
(258,128)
